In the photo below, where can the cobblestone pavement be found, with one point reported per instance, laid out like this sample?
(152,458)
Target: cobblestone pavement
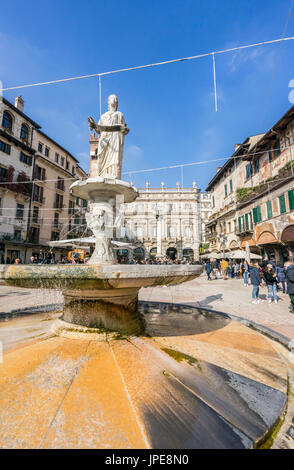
(231,297)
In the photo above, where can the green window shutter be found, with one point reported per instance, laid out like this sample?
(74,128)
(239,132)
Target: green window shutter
(282,204)
(240,224)
(259,217)
(231,186)
(269,209)
(291,199)
(246,222)
(254,215)
(226,190)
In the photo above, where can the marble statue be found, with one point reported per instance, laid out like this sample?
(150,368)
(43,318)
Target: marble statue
(112,129)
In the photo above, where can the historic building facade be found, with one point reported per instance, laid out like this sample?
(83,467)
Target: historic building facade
(34,213)
(252,195)
(167,221)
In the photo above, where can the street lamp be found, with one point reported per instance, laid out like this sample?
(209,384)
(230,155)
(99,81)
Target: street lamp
(158,232)
(222,239)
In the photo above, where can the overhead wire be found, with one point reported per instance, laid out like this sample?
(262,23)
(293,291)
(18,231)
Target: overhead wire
(155,64)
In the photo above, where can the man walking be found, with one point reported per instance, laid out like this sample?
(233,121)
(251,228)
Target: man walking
(289,267)
(256,282)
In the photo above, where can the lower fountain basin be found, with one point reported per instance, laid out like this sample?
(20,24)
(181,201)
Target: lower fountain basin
(100,296)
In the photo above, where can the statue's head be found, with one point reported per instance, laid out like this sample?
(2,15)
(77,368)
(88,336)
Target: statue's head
(112,102)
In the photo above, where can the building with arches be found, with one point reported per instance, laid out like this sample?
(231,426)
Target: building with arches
(168,221)
(253,195)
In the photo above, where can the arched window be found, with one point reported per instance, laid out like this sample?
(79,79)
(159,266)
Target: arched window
(24,132)
(7,120)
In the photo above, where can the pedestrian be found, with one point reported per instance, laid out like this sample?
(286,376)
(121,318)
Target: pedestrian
(289,268)
(256,282)
(208,269)
(270,278)
(245,272)
(236,270)
(215,268)
(281,276)
(224,267)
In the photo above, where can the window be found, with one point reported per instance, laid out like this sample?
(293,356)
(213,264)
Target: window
(67,165)
(85,203)
(278,148)
(226,189)
(282,204)
(24,132)
(246,220)
(19,211)
(71,207)
(35,214)
(27,159)
(17,235)
(73,170)
(58,201)
(171,232)
(60,183)
(256,166)
(140,208)
(7,120)
(62,161)
(257,214)
(54,236)
(231,186)
(187,232)
(6,148)
(3,172)
(291,199)
(56,158)
(269,209)
(40,147)
(40,173)
(154,231)
(249,170)
(38,193)
(270,156)
(139,231)
(47,152)
(213,201)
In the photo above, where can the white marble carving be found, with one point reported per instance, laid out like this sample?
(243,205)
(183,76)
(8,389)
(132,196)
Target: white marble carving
(112,129)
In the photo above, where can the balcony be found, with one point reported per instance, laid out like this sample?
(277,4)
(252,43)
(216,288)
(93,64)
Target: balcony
(37,220)
(60,186)
(39,199)
(56,225)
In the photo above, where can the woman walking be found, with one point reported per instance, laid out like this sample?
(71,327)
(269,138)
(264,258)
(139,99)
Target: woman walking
(245,272)
(270,278)
(256,283)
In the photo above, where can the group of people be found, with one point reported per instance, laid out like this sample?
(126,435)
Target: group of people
(158,261)
(274,277)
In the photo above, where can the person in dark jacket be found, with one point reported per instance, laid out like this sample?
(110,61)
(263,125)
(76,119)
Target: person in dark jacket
(281,276)
(270,278)
(208,269)
(289,267)
(256,282)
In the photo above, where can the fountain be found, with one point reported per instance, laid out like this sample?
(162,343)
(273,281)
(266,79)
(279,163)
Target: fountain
(103,294)
(191,379)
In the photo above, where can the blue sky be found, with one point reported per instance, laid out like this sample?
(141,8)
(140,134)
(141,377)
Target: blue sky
(169,109)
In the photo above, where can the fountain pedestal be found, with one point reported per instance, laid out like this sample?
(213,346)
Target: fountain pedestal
(105,195)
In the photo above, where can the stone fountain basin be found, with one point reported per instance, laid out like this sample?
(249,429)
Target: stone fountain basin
(104,297)
(97,277)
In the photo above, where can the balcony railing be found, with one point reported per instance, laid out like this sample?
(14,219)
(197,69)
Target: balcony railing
(60,186)
(39,199)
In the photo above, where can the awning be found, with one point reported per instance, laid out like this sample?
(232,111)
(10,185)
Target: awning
(240,254)
(88,240)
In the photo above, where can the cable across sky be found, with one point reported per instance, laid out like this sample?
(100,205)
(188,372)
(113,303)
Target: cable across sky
(155,64)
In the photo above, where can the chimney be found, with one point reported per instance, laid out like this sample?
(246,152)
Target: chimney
(237,146)
(19,103)
(218,168)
